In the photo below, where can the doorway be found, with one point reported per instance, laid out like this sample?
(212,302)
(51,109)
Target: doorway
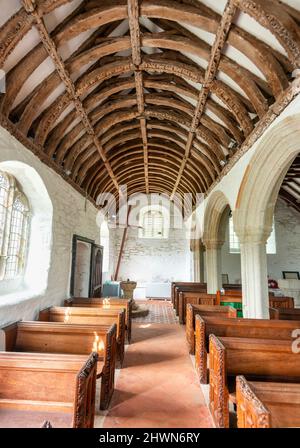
(86,273)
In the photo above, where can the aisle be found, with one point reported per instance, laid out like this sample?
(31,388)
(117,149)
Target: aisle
(157,386)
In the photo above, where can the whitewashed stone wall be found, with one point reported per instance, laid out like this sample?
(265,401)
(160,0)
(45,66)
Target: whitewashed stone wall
(287,257)
(153,260)
(71,215)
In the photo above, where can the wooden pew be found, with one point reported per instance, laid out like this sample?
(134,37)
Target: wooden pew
(89,316)
(203,310)
(234,298)
(256,359)
(230,327)
(288,313)
(267,404)
(195,298)
(115,303)
(57,337)
(198,288)
(195,285)
(37,387)
(182,284)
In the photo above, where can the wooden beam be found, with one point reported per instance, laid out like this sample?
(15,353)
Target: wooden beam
(289,199)
(135,36)
(122,246)
(31,9)
(210,74)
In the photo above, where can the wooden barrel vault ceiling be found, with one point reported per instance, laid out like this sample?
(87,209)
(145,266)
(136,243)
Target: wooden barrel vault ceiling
(157,95)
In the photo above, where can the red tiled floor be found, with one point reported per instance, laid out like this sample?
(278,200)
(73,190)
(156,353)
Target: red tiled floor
(157,386)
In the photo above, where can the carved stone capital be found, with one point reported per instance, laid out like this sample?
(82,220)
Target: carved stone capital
(213,244)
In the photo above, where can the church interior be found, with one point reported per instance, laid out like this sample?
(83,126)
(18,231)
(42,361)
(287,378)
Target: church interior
(150,214)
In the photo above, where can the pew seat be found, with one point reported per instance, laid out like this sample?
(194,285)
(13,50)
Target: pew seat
(267,404)
(57,337)
(206,325)
(256,359)
(36,388)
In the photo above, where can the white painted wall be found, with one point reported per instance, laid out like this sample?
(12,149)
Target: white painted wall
(153,260)
(287,228)
(287,257)
(71,215)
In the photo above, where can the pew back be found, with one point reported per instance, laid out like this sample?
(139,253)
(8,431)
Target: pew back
(89,316)
(35,386)
(115,303)
(203,310)
(57,337)
(267,404)
(197,288)
(281,302)
(195,298)
(181,284)
(241,328)
(263,359)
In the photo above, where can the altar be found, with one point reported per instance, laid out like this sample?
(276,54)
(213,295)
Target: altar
(291,288)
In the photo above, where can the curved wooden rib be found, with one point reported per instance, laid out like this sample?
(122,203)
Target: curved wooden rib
(231,100)
(170,153)
(161,113)
(156,145)
(273,16)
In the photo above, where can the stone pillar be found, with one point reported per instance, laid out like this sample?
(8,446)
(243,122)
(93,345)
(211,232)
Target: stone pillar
(196,259)
(213,265)
(201,262)
(254,276)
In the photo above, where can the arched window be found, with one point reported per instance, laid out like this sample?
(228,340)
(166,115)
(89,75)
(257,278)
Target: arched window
(153,223)
(14,224)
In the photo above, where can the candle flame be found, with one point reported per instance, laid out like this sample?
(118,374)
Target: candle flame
(67,315)
(106,303)
(98,344)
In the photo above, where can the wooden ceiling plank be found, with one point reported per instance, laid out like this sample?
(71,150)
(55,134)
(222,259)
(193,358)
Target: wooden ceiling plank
(50,47)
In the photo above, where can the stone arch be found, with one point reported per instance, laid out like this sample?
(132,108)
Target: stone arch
(259,189)
(214,210)
(254,209)
(215,216)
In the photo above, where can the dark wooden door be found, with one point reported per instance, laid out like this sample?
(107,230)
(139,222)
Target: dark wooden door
(96,271)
